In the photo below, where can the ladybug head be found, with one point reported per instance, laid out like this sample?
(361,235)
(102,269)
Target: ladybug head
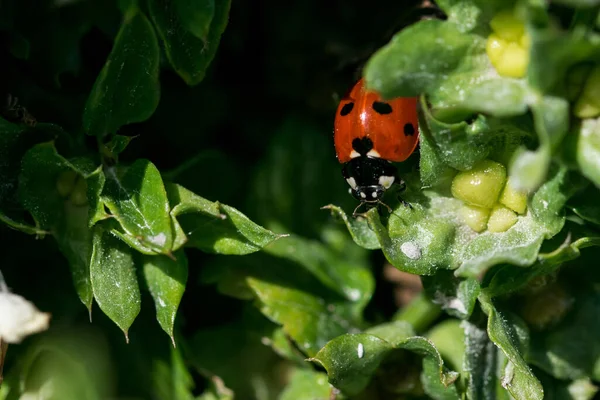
(369,178)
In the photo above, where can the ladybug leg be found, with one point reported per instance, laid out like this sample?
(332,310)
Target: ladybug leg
(379,202)
(354,213)
(402,188)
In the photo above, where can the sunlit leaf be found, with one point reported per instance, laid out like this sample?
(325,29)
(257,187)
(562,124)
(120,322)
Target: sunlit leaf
(166,279)
(114,281)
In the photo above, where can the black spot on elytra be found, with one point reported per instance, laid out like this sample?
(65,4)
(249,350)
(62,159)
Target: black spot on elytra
(346,109)
(409,129)
(362,145)
(381,107)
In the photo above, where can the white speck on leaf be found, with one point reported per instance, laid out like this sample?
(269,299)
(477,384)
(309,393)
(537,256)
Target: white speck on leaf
(353,294)
(545,204)
(457,305)
(411,250)
(161,302)
(159,239)
(360,350)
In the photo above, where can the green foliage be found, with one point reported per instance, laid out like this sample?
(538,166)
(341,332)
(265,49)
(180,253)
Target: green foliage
(179,153)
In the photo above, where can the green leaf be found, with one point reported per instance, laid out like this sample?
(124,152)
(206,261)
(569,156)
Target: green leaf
(279,196)
(571,350)
(235,353)
(214,227)
(311,318)
(418,59)
(127,89)
(584,204)
(171,378)
(481,364)
(509,278)
(588,150)
(188,54)
(113,278)
(137,199)
(517,378)
(44,174)
(352,359)
(166,279)
(551,117)
(415,242)
(554,51)
(456,296)
(347,276)
(196,16)
(472,14)
(306,384)
(359,229)
(15,140)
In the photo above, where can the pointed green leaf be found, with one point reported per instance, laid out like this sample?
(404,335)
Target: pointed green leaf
(189,55)
(214,227)
(166,279)
(517,377)
(138,200)
(127,88)
(113,278)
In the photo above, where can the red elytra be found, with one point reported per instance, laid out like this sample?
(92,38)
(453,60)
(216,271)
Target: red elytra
(392,126)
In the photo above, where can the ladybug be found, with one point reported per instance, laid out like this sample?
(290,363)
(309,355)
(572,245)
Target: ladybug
(369,134)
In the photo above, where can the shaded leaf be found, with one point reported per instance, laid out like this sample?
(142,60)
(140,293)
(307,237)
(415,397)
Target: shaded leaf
(571,350)
(113,278)
(306,384)
(166,279)
(64,214)
(188,54)
(127,88)
(137,199)
(196,16)
(171,377)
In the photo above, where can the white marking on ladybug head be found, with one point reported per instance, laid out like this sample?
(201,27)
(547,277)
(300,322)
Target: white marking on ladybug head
(352,182)
(386,181)
(374,195)
(354,154)
(374,153)
(363,195)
